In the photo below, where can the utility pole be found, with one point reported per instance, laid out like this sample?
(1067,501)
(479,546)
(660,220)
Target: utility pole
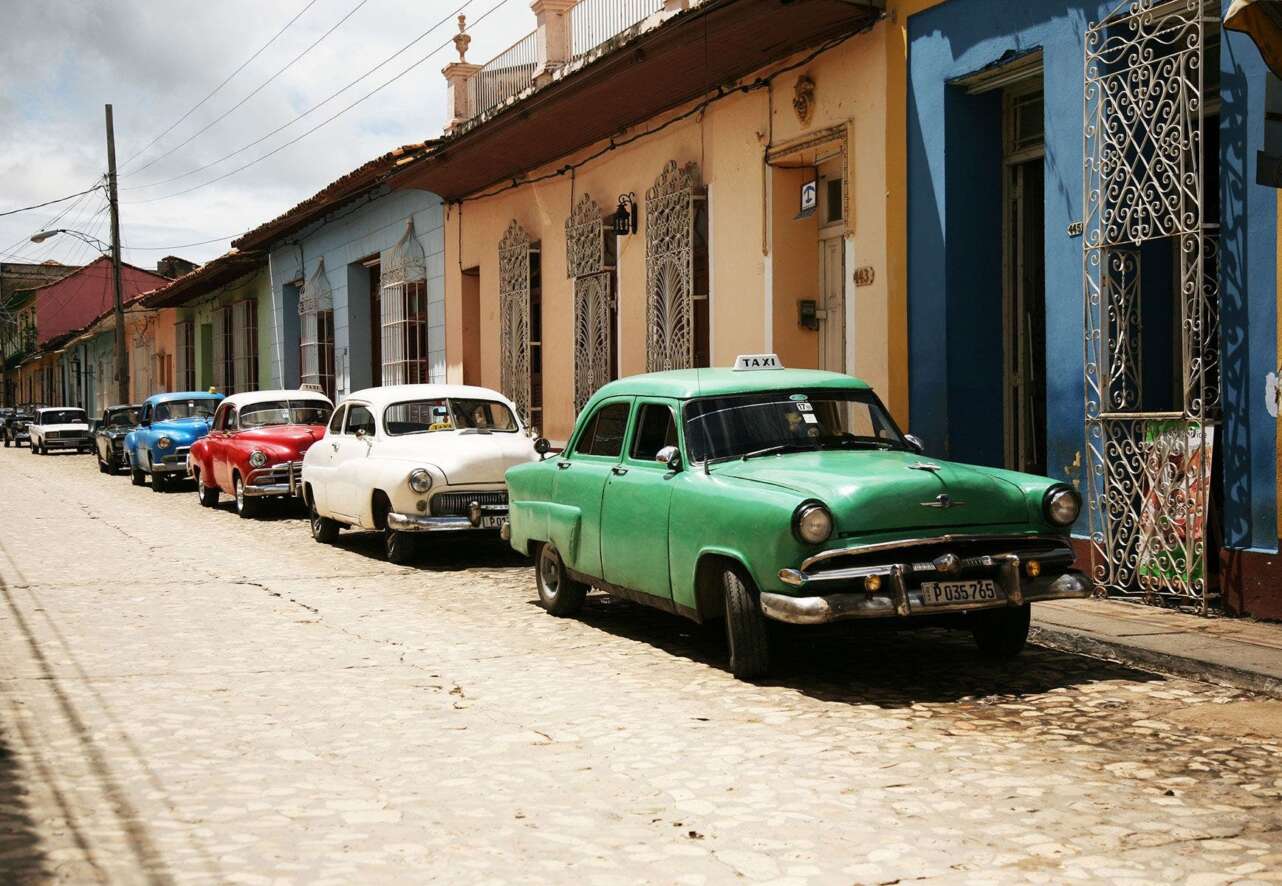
(122,360)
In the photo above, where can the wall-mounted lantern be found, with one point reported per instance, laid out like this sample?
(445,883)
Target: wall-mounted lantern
(625,217)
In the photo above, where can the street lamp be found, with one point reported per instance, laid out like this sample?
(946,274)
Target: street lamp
(113,251)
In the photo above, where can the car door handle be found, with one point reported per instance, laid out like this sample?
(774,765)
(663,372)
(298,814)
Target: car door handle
(563,465)
(334,446)
(618,471)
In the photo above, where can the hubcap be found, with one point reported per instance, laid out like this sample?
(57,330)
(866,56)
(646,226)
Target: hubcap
(550,572)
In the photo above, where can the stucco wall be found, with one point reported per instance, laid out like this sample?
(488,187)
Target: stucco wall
(201,313)
(729,142)
(351,234)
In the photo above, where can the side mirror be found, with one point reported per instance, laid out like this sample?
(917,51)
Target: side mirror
(915,442)
(542,446)
(669,456)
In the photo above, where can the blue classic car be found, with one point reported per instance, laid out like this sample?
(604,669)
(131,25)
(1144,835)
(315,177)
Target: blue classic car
(167,426)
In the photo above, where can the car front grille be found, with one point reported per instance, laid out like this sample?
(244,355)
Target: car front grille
(457,504)
(275,474)
(68,435)
(178,456)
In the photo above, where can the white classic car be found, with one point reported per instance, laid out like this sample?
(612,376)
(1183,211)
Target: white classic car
(60,427)
(407,459)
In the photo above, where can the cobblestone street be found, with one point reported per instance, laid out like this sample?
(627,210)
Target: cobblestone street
(190,697)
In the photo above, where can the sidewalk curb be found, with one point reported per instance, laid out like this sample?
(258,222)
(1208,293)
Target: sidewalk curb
(1083,643)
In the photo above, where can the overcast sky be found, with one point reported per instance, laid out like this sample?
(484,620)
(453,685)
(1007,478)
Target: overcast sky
(155,59)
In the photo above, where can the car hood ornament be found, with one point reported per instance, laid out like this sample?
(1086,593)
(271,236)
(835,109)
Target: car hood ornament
(944,501)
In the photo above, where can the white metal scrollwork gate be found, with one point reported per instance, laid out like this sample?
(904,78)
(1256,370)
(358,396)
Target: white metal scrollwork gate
(585,247)
(403,311)
(514,318)
(1148,473)
(669,265)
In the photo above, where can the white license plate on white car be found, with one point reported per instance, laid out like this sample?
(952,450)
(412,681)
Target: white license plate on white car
(492,522)
(958,593)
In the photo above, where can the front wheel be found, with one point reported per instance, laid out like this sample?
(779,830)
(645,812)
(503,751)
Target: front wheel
(1001,633)
(745,628)
(246,505)
(159,482)
(137,477)
(103,467)
(324,530)
(398,546)
(560,594)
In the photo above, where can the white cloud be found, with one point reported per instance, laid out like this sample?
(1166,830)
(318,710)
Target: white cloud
(154,59)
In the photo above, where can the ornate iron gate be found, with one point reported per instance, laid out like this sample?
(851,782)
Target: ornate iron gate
(1148,473)
(402,307)
(514,318)
(587,262)
(669,266)
(316,337)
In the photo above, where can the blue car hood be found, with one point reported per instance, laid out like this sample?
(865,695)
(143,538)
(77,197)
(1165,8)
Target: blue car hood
(181,430)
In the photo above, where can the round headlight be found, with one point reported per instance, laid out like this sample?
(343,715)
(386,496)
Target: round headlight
(257,458)
(164,443)
(812,523)
(1061,505)
(420,480)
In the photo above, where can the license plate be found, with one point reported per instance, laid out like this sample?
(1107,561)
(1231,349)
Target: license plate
(491,522)
(958,593)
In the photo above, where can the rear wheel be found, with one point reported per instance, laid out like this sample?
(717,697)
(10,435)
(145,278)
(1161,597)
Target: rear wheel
(560,594)
(1001,633)
(324,530)
(745,628)
(6,442)
(246,505)
(206,495)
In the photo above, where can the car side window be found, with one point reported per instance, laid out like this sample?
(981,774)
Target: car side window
(230,419)
(220,418)
(359,418)
(604,432)
(146,413)
(336,423)
(656,428)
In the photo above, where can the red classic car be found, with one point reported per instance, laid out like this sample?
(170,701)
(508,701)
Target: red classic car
(255,448)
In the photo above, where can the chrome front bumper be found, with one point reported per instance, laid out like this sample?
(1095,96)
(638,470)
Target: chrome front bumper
(897,595)
(283,480)
(421,523)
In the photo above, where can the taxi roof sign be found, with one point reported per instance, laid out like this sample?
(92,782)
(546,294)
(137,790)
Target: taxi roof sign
(745,362)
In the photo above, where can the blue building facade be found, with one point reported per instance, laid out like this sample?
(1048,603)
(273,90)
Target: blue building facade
(998,213)
(341,258)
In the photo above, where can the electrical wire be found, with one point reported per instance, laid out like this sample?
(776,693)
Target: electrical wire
(253,92)
(320,104)
(323,123)
(49,202)
(216,89)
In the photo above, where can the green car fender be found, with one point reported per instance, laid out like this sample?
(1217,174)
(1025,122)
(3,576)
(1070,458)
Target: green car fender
(533,517)
(726,519)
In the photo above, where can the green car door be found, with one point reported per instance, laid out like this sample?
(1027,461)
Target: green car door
(638,493)
(581,477)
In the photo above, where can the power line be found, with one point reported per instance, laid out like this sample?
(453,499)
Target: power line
(50,202)
(323,123)
(193,108)
(252,92)
(183,245)
(307,112)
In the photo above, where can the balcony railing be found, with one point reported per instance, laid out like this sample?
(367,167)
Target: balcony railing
(504,76)
(593,22)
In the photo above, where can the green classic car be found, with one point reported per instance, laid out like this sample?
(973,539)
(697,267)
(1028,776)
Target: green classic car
(753,494)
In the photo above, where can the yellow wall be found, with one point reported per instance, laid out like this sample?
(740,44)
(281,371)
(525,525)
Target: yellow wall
(859,85)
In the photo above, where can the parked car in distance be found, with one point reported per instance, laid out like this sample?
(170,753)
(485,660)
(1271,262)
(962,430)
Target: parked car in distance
(167,426)
(256,446)
(409,459)
(109,436)
(16,427)
(60,427)
(790,495)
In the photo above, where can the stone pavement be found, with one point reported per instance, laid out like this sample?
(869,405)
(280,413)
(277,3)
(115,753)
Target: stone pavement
(1234,651)
(188,697)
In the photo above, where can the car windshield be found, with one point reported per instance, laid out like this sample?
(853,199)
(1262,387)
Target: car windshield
(122,418)
(743,426)
(285,412)
(449,414)
(62,416)
(172,409)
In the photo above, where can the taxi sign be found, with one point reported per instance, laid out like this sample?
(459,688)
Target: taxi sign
(756,361)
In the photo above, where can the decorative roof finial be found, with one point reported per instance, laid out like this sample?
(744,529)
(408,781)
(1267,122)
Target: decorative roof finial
(462,39)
